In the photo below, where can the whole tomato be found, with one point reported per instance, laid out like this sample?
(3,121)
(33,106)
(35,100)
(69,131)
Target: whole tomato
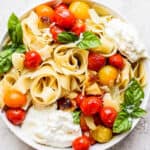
(55,30)
(14,99)
(44,11)
(116,61)
(79,27)
(32,59)
(108,116)
(64,18)
(16,116)
(91,105)
(81,143)
(96,61)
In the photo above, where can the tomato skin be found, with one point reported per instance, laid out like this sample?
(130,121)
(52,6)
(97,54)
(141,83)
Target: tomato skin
(55,30)
(83,124)
(14,99)
(116,61)
(91,105)
(44,11)
(79,9)
(108,116)
(61,6)
(32,59)
(16,116)
(78,28)
(79,99)
(96,61)
(64,18)
(81,143)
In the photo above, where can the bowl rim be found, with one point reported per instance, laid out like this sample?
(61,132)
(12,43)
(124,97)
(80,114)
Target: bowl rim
(20,135)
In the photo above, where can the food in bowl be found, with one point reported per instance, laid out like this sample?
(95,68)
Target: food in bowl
(71,76)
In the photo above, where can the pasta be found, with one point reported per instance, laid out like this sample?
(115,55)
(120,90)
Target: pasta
(66,70)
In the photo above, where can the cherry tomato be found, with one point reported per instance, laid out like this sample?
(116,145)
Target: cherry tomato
(55,30)
(44,11)
(32,59)
(107,75)
(79,99)
(79,9)
(116,61)
(96,61)
(83,124)
(61,6)
(14,99)
(79,27)
(108,116)
(64,18)
(81,143)
(91,105)
(16,116)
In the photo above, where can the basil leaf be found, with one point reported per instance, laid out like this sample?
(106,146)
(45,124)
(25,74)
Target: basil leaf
(67,37)
(130,108)
(15,29)
(138,112)
(76,117)
(134,94)
(20,49)
(89,40)
(122,123)
(6,56)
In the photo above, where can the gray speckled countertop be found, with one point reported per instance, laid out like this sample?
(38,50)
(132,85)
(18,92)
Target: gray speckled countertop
(137,12)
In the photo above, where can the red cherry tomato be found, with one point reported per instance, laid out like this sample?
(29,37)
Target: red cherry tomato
(116,61)
(64,18)
(16,116)
(79,99)
(61,6)
(96,61)
(32,59)
(91,105)
(79,27)
(55,30)
(81,143)
(108,116)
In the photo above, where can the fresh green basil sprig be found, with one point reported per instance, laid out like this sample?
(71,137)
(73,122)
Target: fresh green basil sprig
(76,116)
(130,109)
(87,41)
(16,35)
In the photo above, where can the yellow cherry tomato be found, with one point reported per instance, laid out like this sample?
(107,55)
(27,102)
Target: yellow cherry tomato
(44,11)
(102,134)
(107,75)
(79,9)
(14,98)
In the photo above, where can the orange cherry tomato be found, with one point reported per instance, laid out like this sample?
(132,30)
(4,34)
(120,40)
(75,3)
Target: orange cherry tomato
(81,143)
(116,61)
(32,59)
(14,99)
(96,61)
(79,27)
(91,105)
(44,11)
(108,116)
(16,116)
(55,30)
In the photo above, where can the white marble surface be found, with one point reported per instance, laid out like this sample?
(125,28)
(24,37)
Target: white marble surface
(137,12)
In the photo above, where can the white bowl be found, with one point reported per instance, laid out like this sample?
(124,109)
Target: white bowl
(26,139)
